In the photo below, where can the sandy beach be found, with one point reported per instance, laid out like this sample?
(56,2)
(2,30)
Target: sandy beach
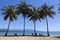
(28,38)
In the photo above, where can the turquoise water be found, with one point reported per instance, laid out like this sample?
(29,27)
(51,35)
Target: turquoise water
(30,33)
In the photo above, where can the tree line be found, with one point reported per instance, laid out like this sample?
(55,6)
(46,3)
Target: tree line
(11,12)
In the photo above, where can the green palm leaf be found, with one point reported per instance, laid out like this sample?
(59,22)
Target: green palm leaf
(9,12)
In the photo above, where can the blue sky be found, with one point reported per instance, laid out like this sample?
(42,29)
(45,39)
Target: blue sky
(54,24)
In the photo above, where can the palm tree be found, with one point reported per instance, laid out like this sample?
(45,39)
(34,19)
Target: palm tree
(9,13)
(34,17)
(46,11)
(23,9)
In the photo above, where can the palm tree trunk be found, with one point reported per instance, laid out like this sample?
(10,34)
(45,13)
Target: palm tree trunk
(24,27)
(47,27)
(34,27)
(7,28)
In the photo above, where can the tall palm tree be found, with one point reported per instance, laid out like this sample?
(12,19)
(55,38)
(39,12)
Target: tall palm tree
(23,9)
(9,13)
(34,17)
(46,11)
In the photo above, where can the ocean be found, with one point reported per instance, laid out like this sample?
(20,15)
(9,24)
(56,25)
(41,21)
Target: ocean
(57,33)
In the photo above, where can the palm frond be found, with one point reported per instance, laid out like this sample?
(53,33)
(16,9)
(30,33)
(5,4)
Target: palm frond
(6,16)
(15,16)
(51,7)
(9,12)
(4,8)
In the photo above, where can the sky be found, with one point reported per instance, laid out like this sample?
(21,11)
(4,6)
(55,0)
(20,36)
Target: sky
(54,24)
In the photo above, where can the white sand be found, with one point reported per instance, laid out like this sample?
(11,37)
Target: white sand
(28,38)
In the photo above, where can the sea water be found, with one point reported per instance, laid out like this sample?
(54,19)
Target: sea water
(57,33)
